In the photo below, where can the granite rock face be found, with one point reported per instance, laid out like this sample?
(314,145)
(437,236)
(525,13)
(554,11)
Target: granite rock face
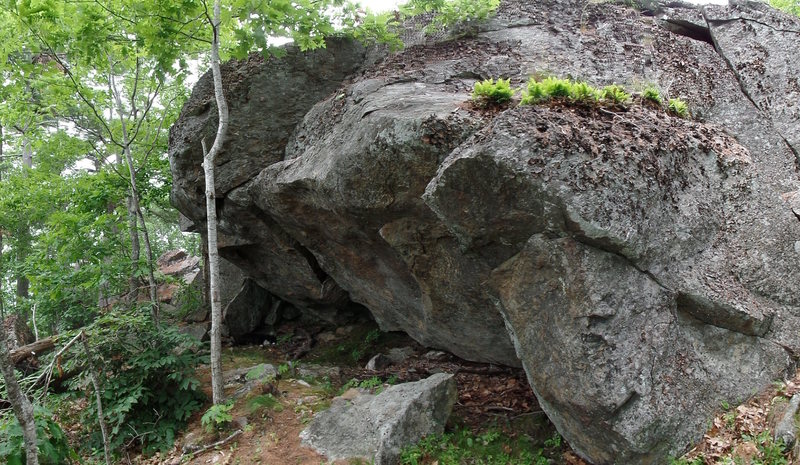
(376,428)
(640,267)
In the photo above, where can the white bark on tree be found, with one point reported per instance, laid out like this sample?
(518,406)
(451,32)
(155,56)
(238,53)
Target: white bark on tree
(23,409)
(100,416)
(211,212)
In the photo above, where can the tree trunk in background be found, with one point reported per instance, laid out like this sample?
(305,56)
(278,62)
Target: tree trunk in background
(24,238)
(22,406)
(134,208)
(211,214)
(133,285)
(2,306)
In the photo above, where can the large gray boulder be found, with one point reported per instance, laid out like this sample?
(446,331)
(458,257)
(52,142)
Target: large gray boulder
(245,313)
(378,427)
(640,267)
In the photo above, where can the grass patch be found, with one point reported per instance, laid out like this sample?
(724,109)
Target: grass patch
(463,447)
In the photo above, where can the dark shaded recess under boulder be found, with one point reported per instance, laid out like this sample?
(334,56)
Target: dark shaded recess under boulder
(640,267)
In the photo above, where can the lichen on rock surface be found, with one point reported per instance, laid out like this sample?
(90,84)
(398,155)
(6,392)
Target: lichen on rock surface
(640,267)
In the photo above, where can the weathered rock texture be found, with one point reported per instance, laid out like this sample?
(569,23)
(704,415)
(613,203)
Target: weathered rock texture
(640,267)
(377,428)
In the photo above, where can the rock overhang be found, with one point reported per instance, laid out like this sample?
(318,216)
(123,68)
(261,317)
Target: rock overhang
(461,228)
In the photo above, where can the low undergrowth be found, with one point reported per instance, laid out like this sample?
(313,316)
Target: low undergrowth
(149,384)
(492,447)
(54,448)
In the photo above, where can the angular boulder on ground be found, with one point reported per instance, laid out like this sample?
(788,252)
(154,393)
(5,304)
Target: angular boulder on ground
(376,428)
(640,267)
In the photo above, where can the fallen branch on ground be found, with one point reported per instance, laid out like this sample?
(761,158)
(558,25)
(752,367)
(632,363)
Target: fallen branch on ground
(39,347)
(196,450)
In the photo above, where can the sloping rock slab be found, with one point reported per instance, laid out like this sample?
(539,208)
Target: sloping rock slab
(245,313)
(378,427)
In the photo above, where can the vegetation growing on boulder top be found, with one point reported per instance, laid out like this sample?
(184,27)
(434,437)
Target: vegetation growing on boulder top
(489,92)
(538,91)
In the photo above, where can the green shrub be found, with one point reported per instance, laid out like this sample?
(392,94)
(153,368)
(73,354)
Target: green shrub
(217,417)
(53,446)
(615,94)
(678,107)
(489,92)
(535,93)
(557,88)
(583,92)
(652,94)
(149,388)
(546,89)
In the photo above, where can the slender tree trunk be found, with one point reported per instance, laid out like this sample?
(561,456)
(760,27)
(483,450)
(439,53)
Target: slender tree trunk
(133,283)
(24,238)
(22,406)
(100,416)
(27,152)
(211,213)
(151,278)
(134,208)
(2,306)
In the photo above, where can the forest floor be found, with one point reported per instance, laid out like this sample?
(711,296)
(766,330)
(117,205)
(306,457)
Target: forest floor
(490,397)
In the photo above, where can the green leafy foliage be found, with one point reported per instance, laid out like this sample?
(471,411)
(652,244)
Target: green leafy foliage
(489,92)
(554,441)
(615,94)
(539,91)
(262,401)
(789,6)
(465,448)
(373,383)
(770,452)
(448,13)
(678,107)
(217,417)
(54,448)
(652,94)
(149,387)
(582,92)
(567,90)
